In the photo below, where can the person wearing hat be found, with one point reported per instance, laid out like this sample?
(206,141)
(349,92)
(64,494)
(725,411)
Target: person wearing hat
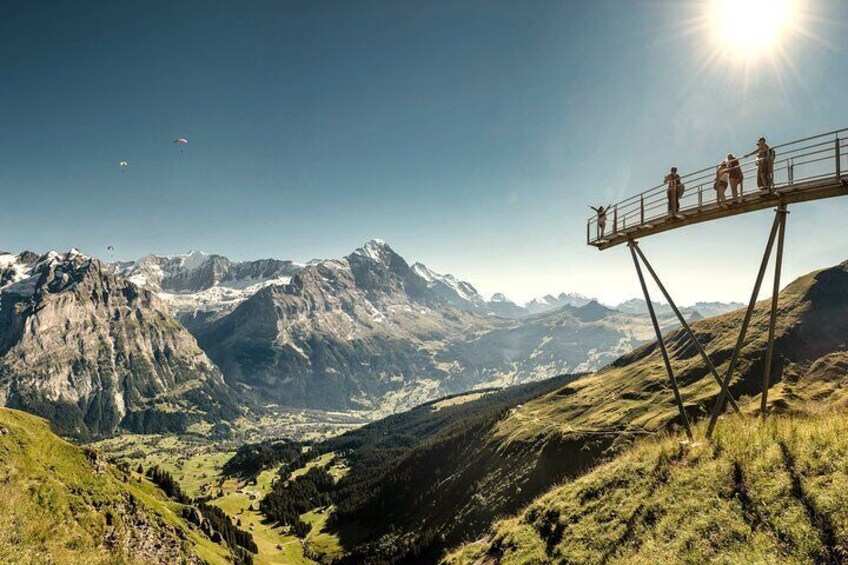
(675,191)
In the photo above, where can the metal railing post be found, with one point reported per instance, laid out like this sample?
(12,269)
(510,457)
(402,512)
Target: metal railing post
(791,171)
(838,160)
(641,209)
(700,196)
(588,231)
(615,219)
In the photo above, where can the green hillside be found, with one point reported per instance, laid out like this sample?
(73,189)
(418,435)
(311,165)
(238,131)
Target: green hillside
(63,504)
(759,493)
(448,489)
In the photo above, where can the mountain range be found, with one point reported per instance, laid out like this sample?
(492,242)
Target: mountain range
(201,285)
(115,346)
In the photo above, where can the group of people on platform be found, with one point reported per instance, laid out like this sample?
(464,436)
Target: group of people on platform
(728,174)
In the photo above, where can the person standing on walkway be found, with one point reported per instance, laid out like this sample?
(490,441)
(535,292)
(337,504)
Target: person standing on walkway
(674,192)
(602,219)
(734,176)
(765,165)
(721,181)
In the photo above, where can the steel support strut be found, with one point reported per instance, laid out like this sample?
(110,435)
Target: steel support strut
(743,332)
(778,262)
(707,361)
(671,378)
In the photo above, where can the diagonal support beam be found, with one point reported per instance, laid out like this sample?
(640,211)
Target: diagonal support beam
(717,408)
(686,327)
(671,378)
(778,263)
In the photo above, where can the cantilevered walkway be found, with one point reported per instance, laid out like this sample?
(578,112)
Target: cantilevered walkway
(807,169)
(803,170)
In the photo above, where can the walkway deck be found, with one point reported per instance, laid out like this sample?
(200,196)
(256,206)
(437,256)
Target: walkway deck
(804,170)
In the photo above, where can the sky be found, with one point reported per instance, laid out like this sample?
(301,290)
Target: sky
(472,136)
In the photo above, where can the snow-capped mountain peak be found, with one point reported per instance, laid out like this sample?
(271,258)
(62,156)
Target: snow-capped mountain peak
(377,250)
(550,302)
(456,292)
(194,260)
(15,268)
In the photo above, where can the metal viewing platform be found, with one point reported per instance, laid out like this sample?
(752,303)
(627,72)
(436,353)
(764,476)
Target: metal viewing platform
(807,169)
(798,171)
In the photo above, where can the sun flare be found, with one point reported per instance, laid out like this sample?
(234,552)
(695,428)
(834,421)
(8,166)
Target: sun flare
(747,29)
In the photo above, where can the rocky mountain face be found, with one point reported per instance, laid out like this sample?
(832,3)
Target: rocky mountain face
(450,289)
(355,332)
(503,307)
(93,352)
(14,268)
(197,271)
(199,288)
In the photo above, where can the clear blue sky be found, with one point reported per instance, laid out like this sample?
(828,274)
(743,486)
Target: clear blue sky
(470,135)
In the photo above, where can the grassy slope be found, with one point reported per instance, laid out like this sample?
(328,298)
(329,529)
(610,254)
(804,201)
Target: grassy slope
(560,434)
(631,399)
(760,493)
(57,507)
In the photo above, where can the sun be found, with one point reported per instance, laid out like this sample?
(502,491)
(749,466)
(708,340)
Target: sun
(748,29)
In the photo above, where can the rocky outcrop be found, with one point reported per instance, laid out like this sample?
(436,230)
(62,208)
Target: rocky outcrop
(146,537)
(93,352)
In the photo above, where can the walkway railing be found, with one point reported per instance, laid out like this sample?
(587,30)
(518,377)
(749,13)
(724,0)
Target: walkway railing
(796,163)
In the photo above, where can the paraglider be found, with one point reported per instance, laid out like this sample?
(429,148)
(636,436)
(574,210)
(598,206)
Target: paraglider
(123,165)
(110,249)
(181,141)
